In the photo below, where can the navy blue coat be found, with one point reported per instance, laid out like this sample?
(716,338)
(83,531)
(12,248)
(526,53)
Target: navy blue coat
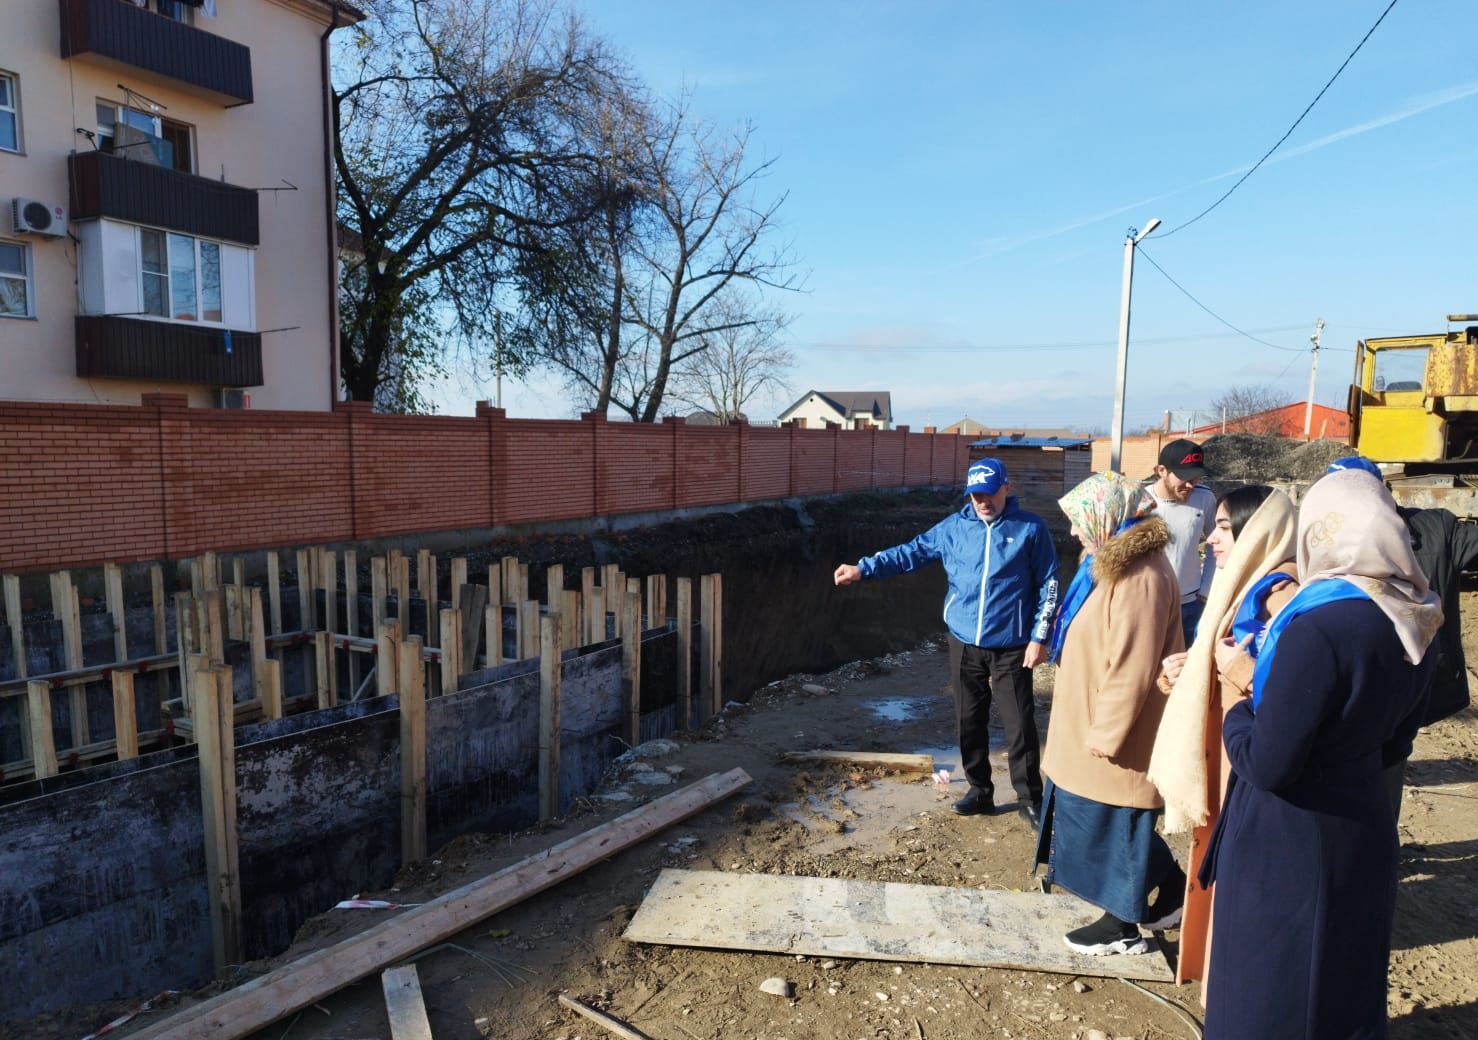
(1305,854)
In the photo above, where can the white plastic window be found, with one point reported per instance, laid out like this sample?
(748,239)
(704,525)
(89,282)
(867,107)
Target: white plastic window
(15,281)
(10,114)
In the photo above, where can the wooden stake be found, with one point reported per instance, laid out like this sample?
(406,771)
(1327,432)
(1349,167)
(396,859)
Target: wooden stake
(631,666)
(684,653)
(400,575)
(471,601)
(307,615)
(554,585)
(351,611)
(379,590)
(616,603)
(711,688)
(43,743)
(215,634)
(216,737)
(587,589)
(510,579)
(187,642)
(656,600)
(157,598)
(404,1005)
(492,623)
(270,691)
(527,632)
(303,982)
(125,718)
(430,600)
(328,567)
(549,691)
(412,752)
(387,658)
(450,623)
(274,590)
(13,616)
(113,597)
(523,581)
(569,619)
(595,616)
(66,609)
(324,671)
(458,576)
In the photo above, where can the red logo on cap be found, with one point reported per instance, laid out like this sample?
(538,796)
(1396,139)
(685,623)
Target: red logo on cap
(1194,456)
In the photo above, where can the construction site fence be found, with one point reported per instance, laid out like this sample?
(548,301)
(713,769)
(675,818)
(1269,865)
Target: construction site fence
(87,484)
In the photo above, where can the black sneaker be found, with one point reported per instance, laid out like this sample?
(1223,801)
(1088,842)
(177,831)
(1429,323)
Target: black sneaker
(1165,912)
(1105,936)
(1030,813)
(976,803)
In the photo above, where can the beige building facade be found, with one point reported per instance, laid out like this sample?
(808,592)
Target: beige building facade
(166,202)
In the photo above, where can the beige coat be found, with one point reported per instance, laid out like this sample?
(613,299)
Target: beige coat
(1106,705)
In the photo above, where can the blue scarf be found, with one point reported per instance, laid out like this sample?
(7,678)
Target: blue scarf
(1310,597)
(1248,620)
(1077,594)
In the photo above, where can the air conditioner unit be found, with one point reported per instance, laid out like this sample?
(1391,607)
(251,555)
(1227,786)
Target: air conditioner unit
(227,398)
(38,218)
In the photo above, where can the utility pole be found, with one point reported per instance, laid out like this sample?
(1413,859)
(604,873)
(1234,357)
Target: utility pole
(1313,371)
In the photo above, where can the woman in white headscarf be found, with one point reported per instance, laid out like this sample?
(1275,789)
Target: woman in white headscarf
(1304,856)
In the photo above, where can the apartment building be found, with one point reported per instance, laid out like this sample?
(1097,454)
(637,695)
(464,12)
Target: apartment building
(167,193)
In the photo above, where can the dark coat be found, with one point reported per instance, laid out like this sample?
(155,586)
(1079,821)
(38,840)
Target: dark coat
(1445,547)
(1305,854)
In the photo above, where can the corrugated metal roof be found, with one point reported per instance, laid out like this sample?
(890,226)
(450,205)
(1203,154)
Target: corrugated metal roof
(1032,442)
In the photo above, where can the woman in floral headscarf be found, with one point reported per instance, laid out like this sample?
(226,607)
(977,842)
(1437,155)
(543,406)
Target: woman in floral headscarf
(1304,855)
(1118,620)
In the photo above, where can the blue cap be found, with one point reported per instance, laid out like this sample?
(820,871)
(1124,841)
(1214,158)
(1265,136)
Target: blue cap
(986,476)
(1356,462)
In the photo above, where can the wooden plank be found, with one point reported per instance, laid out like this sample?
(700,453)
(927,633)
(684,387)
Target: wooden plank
(554,585)
(492,623)
(351,611)
(325,680)
(607,1022)
(595,616)
(587,590)
(684,653)
(66,608)
(215,735)
(616,603)
(307,616)
(523,581)
(387,658)
(412,752)
(187,643)
(274,590)
(271,689)
(160,604)
(897,762)
(328,569)
(400,577)
(257,634)
(458,575)
(631,665)
(527,631)
(450,625)
(710,677)
(125,718)
(656,600)
(302,982)
(871,920)
(113,598)
(549,691)
(14,617)
(404,1005)
(471,601)
(43,742)
(569,619)
(510,579)
(379,591)
(215,629)
(430,599)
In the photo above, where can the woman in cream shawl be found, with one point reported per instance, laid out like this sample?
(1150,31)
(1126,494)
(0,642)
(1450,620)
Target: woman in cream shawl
(1304,856)
(1254,547)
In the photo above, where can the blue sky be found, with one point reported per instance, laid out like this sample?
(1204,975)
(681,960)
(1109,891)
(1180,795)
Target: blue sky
(961,177)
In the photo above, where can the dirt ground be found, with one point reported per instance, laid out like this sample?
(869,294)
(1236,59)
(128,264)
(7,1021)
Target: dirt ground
(502,976)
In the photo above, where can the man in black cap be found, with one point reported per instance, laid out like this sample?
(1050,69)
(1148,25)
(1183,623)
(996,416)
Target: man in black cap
(1190,510)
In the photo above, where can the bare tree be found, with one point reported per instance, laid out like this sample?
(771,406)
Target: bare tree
(742,359)
(460,135)
(1246,409)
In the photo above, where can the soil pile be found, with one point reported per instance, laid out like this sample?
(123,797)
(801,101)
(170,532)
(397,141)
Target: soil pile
(1256,458)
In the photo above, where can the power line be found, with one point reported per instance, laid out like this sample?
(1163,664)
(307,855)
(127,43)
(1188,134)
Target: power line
(1097,344)
(1290,130)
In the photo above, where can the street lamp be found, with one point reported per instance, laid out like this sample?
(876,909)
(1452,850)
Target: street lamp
(1131,240)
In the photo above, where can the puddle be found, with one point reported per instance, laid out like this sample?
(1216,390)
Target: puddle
(898,709)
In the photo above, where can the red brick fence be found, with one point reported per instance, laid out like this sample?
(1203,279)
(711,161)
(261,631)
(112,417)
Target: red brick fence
(88,484)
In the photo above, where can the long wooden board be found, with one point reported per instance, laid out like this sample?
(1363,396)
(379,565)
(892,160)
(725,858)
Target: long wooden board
(869,920)
(247,1008)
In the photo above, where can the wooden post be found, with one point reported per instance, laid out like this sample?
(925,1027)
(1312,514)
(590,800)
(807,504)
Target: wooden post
(711,688)
(210,569)
(595,616)
(412,752)
(351,613)
(430,599)
(187,642)
(324,671)
(527,633)
(450,622)
(616,602)
(684,653)
(216,737)
(554,585)
(608,581)
(458,576)
(66,608)
(470,603)
(510,579)
(12,585)
(215,634)
(236,603)
(587,589)
(379,590)
(549,683)
(631,665)
(328,569)
(387,658)
(307,619)
(656,600)
(231,611)
(113,596)
(523,582)
(569,619)
(400,576)
(274,590)
(43,743)
(492,623)
(125,719)
(157,598)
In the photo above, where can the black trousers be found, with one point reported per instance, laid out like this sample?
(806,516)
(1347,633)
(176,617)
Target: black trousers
(974,672)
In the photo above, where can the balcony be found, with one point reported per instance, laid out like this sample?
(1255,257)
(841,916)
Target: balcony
(137,192)
(117,33)
(162,351)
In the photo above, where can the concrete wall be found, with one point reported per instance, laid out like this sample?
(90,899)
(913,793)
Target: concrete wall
(88,484)
(102,870)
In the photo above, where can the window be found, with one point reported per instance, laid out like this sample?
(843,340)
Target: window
(1400,369)
(178,10)
(180,276)
(147,136)
(15,280)
(10,114)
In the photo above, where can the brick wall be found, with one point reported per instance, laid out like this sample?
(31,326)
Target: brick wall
(89,484)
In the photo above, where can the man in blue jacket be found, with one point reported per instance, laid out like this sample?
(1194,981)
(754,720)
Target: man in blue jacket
(1002,573)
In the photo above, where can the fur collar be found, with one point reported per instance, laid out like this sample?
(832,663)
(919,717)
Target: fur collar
(1122,551)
